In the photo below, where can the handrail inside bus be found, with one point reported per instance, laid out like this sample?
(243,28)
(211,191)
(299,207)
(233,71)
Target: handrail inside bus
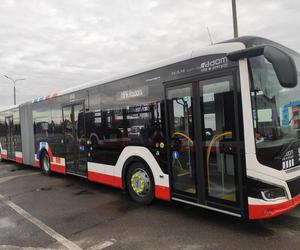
(214,140)
(184,136)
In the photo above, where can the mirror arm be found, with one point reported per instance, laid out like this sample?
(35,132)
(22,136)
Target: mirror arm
(283,64)
(246,53)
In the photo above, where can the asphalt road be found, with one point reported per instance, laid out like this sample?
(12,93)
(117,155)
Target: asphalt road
(65,212)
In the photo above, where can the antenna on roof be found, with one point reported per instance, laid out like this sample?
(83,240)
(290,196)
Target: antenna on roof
(209,35)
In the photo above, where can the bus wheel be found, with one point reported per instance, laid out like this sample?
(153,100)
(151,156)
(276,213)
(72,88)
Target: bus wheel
(140,183)
(94,141)
(45,163)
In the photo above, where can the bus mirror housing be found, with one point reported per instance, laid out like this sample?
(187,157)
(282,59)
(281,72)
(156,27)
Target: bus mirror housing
(282,62)
(283,65)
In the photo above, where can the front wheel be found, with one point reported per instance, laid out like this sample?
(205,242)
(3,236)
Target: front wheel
(45,164)
(140,183)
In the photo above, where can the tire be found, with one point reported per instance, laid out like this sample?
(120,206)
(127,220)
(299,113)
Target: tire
(140,183)
(45,164)
(94,141)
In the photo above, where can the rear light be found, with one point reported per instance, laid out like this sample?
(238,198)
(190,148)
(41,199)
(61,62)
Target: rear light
(273,194)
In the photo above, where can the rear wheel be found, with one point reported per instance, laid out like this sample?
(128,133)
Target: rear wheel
(140,183)
(94,141)
(45,163)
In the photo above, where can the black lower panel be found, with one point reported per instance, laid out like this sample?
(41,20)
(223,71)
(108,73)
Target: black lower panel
(105,156)
(294,186)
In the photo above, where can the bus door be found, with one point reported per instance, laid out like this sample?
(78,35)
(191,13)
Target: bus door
(181,140)
(220,141)
(204,144)
(75,139)
(10,137)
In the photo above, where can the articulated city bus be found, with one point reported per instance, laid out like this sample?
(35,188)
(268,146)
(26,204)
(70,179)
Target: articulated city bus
(217,128)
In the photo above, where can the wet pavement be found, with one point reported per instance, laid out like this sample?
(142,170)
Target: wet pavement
(66,212)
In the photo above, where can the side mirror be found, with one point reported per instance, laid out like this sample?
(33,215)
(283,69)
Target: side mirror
(283,63)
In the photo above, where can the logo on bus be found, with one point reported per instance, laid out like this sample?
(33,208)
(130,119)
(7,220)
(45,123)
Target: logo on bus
(132,93)
(218,63)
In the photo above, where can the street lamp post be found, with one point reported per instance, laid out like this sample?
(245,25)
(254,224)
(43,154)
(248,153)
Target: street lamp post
(234,16)
(14,82)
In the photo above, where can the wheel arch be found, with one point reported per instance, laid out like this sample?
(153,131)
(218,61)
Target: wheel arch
(94,135)
(132,159)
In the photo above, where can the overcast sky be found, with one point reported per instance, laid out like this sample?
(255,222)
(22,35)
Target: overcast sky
(56,44)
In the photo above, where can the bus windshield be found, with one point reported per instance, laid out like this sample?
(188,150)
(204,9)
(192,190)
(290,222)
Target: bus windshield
(276,115)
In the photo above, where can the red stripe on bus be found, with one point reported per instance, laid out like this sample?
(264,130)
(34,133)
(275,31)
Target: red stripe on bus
(37,163)
(105,179)
(3,156)
(19,159)
(162,193)
(257,212)
(50,153)
(58,168)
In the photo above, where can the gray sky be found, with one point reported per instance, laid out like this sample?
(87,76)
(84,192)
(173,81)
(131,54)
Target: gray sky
(57,44)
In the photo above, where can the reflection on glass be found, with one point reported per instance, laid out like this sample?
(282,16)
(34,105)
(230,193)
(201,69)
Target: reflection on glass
(219,154)
(181,133)
(276,115)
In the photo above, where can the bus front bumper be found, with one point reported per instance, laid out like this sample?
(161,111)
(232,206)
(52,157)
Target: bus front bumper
(259,211)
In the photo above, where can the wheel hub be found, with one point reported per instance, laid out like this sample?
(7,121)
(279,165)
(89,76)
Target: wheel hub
(140,182)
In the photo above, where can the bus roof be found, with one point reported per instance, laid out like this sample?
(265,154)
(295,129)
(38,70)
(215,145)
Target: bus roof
(213,49)
(222,47)
(8,108)
(218,48)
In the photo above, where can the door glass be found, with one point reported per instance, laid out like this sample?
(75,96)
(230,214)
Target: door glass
(79,135)
(217,104)
(182,139)
(75,139)
(12,139)
(70,149)
(9,137)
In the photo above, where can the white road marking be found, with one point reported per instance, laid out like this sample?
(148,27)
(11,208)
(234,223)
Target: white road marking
(61,239)
(9,247)
(103,245)
(9,178)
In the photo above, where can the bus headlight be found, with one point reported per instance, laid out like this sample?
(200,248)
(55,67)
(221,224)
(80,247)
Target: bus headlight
(273,194)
